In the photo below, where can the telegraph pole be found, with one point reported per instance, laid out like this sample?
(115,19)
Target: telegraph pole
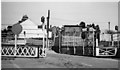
(93,41)
(48,28)
(109,31)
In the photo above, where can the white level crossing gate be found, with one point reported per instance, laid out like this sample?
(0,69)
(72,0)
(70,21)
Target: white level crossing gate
(21,51)
(11,48)
(106,51)
(12,33)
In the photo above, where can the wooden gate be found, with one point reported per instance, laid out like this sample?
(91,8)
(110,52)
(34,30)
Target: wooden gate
(21,50)
(106,51)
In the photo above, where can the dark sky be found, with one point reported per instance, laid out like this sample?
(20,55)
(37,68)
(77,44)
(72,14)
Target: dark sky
(62,13)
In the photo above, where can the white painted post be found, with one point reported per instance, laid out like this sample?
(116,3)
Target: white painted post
(96,42)
(15,44)
(96,48)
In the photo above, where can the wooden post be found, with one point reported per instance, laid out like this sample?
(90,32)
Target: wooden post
(59,41)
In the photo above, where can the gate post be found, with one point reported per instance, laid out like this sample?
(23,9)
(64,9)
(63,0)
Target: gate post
(15,44)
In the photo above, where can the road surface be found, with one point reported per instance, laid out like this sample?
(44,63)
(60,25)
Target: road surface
(55,60)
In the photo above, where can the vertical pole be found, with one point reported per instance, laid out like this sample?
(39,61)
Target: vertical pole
(112,43)
(46,40)
(59,41)
(96,42)
(109,31)
(83,46)
(48,27)
(93,43)
(74,43)
(15,44)
(48,44)
(25,36)
(43,27)
(43,37)
(109,25)
(118,38)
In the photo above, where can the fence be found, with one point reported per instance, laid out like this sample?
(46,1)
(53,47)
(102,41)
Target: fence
(20,51)
(26,47)
(74,45)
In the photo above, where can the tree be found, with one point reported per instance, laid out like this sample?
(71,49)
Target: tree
(116,28)
(97,27)
(93,25)
(83,35)
(42,19)
(57,32)
(82,24)
(7,34)
(4,33)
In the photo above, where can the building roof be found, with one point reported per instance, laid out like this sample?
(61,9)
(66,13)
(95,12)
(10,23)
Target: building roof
(31,30)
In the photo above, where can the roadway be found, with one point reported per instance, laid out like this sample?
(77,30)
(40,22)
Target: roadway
(55,60)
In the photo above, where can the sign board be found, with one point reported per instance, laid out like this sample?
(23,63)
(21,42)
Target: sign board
(16,29)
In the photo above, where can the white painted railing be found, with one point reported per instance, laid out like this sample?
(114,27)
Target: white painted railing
(106,51)
(21,50)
